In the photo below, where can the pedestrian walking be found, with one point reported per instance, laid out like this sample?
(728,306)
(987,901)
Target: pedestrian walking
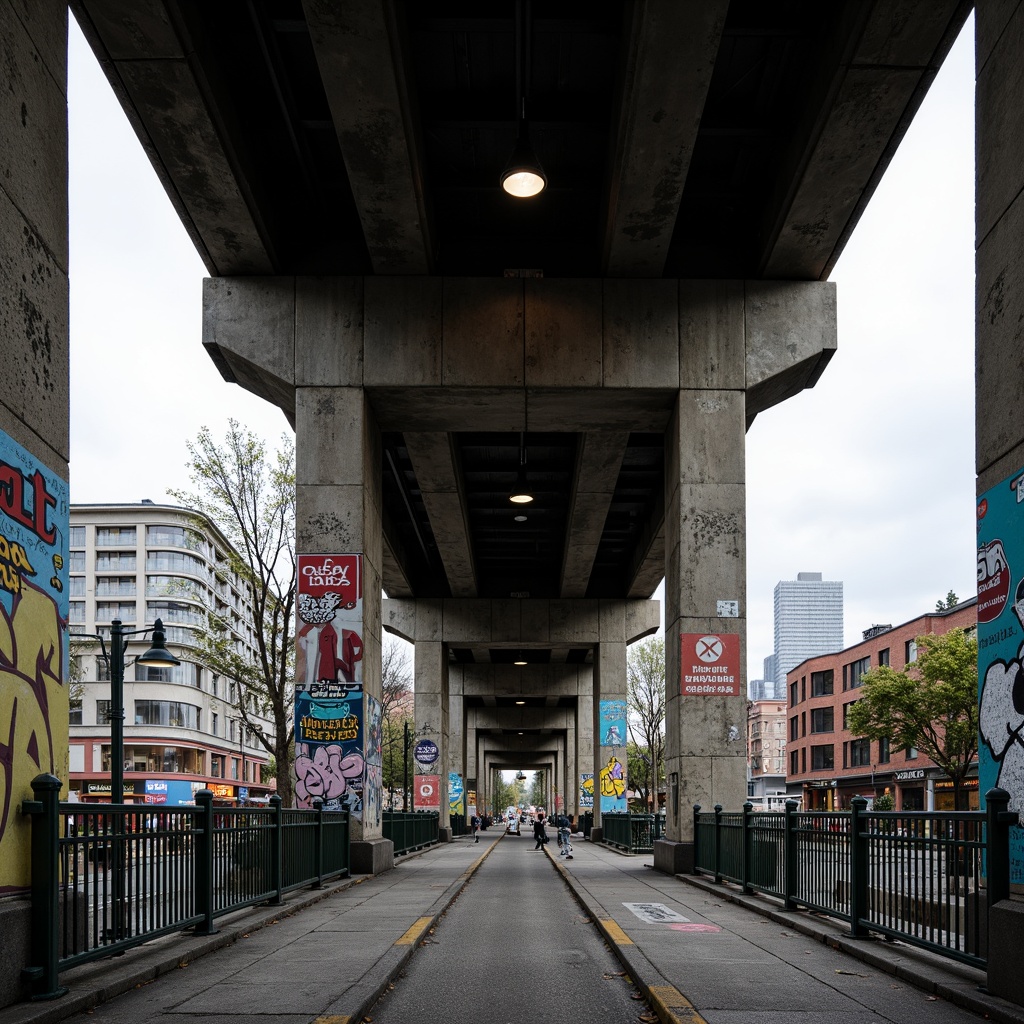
(539,832)
(564,831)
(476,828)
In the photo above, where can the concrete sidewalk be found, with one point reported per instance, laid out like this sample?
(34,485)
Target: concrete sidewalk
(691,947)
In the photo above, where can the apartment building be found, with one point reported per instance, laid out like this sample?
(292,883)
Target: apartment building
(183,731)
(766,754)
(829,765)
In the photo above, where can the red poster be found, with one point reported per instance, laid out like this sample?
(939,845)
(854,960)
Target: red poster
(426,793)
(709,664)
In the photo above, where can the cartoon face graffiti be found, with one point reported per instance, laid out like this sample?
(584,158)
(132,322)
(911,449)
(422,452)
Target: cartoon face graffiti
(1001,723)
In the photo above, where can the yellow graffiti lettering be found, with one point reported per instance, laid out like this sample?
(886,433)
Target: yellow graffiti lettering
(613,778)
(10,578)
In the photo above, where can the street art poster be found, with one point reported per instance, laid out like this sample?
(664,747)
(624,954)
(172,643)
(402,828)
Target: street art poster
(613,786)
(1000,515)
(373,783)
(426,795)
(330,634)
(613,723)
(329,761)
(33,641)
(587,791)
(709,664)
(456,794)
(329,699)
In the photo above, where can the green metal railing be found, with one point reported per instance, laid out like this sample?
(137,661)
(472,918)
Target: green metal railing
(634,833)
(411,830)
(915,876)
(106,878)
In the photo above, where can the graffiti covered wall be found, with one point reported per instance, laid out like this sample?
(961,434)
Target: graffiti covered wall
(33,649)
(330,705)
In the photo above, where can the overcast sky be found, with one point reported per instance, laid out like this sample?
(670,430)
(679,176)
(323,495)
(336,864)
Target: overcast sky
(868,478)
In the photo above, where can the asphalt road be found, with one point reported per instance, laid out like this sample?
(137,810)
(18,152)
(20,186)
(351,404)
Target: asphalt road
(515,946)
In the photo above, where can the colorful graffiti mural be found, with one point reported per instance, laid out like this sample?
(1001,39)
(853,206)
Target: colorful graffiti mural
(1000,517)
(613,786)
(613,723)
(456,794)
(33,649)
(586,791)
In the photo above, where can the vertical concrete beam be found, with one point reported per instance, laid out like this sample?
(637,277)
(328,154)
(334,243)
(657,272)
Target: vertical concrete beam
(338,511)
(34,414)
(705,531)
(430,714)
(609,685)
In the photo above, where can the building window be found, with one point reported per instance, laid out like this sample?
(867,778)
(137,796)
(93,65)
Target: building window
(821,683)
(794,697)
(76,611)
(167,712)
(911,753)
(173,537)
(883,657)
(822,720)
(794,764)
(794,728)
(75,712)
(860,753)
(103,712)
(115,561)
(851,679)
(823,757)
(175,611)
(107,611)
(186,673)
(76,536)
(803,759)
(803,723)
(115,536)
(115,586)
(883,750)
(76,561)
(803,687)
(910,651)
(76,587)
(102,669)
(846,711)
(214,719)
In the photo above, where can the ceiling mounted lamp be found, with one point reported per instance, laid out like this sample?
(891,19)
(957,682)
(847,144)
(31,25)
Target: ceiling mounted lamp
(520,495)
(523,176)
(520,660)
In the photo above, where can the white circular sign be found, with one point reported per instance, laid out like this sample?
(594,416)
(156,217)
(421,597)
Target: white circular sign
(710,649)
(426,789)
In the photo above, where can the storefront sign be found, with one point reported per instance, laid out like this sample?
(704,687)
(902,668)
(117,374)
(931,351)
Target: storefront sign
(910,775)
(221,791)
(709,664)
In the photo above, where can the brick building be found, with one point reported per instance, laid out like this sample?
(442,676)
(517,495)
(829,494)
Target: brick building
(827,764)
(766,754)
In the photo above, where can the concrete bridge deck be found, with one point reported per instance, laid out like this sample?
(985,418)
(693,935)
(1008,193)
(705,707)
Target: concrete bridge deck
(328,956)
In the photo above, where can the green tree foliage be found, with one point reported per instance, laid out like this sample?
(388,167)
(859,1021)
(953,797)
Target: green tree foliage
(951,602)
(249,494)
(535,795)
(932,705)
(645,680)
(397,710)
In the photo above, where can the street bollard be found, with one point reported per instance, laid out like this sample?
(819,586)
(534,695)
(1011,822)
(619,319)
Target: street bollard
(204,862)
(858,868)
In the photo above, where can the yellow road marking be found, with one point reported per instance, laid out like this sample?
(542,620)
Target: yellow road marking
(333,1020)
(414,933)
(615,932)
(672,1006)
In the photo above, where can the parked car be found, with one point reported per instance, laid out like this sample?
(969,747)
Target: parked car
(512,825)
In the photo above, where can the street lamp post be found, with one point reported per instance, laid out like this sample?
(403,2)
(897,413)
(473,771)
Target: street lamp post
(405,768)
(157,656)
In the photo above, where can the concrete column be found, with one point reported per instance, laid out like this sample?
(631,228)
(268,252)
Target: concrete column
(338,511)
(705,759)
(33,427)
(999,340)
(610,694)
(430,671)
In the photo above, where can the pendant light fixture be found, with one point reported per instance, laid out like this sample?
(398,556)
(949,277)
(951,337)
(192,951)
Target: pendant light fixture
(523,176)
(520,495)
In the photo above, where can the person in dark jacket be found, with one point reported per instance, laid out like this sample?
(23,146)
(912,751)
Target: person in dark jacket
(538,831)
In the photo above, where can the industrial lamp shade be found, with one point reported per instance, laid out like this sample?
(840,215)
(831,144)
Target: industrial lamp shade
(523,176)
(158,656)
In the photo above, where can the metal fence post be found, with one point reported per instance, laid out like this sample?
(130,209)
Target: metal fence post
(276,847)
(204,862)
(718,844)
(746,858)
(997,843)
(790,856)
(696,839)
(41,976)
(318,806)
(858,868)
